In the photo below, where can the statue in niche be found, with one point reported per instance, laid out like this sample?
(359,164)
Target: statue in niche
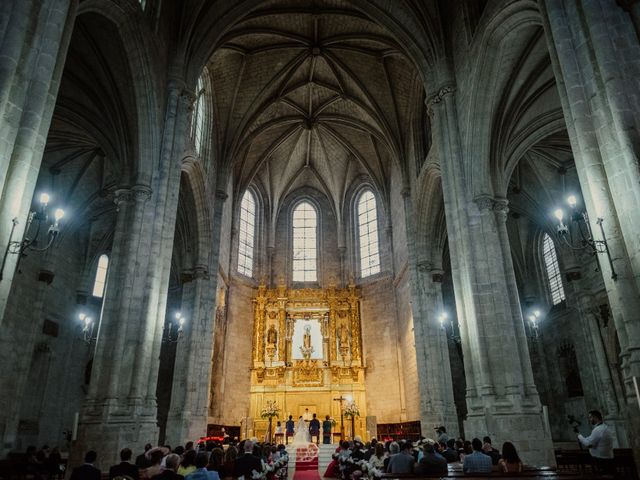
(272,336)
(306,347)
(343,337)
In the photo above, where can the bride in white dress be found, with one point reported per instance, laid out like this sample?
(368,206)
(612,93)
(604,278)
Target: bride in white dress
(302,436)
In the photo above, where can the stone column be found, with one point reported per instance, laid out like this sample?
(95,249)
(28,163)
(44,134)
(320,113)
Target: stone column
(34,46)
(110,418)
(602,121)
(192,372)
(121,408)
(437,404)
(187,418)
(502,399)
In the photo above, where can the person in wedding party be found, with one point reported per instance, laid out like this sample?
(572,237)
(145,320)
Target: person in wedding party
(314,429)
(326,431)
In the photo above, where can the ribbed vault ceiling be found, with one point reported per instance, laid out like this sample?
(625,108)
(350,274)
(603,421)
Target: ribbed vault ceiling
(311,96)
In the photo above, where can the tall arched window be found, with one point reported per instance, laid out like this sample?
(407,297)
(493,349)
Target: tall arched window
(368,234)
(197,120)
(247,234)
(553,271)
(305,224)
(101,276)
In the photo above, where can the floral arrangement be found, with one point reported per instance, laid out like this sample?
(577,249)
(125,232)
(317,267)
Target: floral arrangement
(358,468)
(332,421)
(351,410)
(269,468)
(271,410)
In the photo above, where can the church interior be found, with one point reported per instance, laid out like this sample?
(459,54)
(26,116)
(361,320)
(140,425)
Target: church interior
(399,215)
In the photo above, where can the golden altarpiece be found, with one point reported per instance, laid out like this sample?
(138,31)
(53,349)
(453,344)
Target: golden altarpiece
(307,354)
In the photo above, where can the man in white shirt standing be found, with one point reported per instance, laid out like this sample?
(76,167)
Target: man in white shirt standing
(599,443)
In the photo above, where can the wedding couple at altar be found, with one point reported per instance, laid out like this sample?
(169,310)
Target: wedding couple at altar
(303,432)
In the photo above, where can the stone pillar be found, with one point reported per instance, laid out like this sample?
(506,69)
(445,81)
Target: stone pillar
(437,404)
(34,46)
(502,400)
(188,413)
(120,408)
(192,372)
(590,42)
(110,417)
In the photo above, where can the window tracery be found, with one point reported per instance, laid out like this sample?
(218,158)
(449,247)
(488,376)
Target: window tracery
(305,225)
(368,234)
(246,239)
(553,270)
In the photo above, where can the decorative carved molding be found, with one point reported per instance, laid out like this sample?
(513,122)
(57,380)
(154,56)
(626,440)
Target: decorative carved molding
(221,195)
(141,193)
(484,202)
(438,97)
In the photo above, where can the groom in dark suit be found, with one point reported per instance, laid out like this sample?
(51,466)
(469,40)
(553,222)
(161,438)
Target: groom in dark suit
(314,429)
(289,428)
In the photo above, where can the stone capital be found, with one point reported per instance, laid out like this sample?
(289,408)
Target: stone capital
(201,271)
(123,195)
(141,193)
(436,98)
(221,195)
(484,202)
(501,207)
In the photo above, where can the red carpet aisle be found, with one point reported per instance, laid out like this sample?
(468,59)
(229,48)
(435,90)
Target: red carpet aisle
(306,467)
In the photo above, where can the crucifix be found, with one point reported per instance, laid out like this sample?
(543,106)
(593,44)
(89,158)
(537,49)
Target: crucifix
(341,399)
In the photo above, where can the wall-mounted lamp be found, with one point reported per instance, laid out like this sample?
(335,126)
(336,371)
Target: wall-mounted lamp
(534,318)
(36,219)
(87,327)
(443,319)
(173,330)
(579,221)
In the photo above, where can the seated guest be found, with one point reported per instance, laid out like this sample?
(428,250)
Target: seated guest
(377,459)
(229,462)
(510,461)
(142,461)
(87,471)
(402,462)
(247,463)
(449,452)
(467,449)
(155,460)
(170,468)
(477,462)
(201,472)
(394,449)
(125,467)
(431,462)
(489,450)
(188,463)
(216,461)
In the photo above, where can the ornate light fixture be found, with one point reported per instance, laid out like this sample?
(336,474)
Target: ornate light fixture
(533,318)
(170,335)
(30,240)
(579,221)
(451,334)
(87,327)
